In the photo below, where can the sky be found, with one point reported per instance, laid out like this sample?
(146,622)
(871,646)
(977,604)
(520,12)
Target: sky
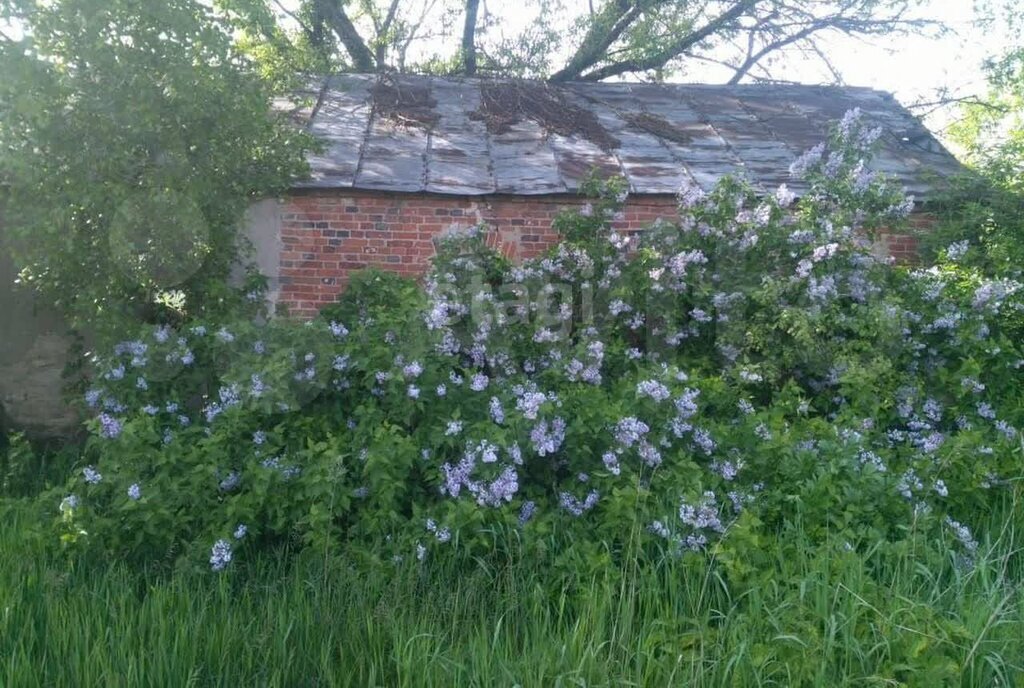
(916,68)
(913,68)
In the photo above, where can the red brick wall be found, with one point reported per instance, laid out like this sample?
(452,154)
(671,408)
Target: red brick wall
(326,235)
(903,247)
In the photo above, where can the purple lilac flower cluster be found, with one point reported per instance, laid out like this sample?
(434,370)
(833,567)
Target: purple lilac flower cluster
(488,401)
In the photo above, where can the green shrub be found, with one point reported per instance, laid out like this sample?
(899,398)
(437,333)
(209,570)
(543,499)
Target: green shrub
(377,295)
(693,388)
(134,140)
(28,468)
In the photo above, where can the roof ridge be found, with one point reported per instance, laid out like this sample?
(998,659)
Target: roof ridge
(614,84)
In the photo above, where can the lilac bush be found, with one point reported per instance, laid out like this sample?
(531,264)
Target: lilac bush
(753,364)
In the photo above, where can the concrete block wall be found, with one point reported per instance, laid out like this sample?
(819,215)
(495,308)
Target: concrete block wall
(34,350)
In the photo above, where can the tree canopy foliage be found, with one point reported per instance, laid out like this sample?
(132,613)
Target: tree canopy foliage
(985,208)
(132,138)
(992,130)
(564,41)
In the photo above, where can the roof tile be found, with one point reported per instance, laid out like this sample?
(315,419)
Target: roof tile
(654,135)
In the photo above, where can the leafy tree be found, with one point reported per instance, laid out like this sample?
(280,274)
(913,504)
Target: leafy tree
(992,129)
(132,138)
(984,209)
(574,41)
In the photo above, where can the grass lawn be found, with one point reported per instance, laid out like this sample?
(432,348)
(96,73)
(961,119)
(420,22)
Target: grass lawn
(812,616)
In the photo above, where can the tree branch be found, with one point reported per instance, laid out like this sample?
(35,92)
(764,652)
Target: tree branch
(390,18)
(469,38)
(754,57)
(380,49)
(926,108)
(334,14)
(306,28)
(413,31)
(798,24)
(674,49)
(836,74)
(605,29)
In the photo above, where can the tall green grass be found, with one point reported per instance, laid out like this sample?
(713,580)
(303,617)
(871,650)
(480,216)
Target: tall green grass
(817,616)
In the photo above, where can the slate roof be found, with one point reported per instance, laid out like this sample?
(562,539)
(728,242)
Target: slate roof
(410,133)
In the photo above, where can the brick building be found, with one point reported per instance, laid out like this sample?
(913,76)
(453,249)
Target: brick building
(406,159)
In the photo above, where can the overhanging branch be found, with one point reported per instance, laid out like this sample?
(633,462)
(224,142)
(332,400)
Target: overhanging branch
(469,38)
(334,15)
(678,47)
(605,28)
